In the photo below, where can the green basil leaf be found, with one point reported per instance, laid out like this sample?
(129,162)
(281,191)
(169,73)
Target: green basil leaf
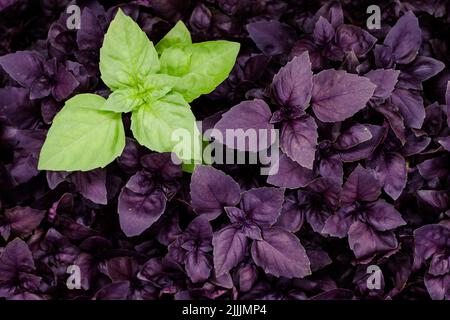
(154,87)
(201,66)
(82,137)
(123,100)
(127,56)
(158,126)
(179,34)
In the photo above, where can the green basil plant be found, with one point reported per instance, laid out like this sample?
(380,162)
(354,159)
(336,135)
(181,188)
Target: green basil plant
(154,83)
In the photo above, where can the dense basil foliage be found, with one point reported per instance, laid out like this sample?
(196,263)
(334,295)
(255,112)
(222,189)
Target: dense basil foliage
(364,166)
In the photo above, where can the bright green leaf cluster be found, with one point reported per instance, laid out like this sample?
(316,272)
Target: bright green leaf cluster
(155,83)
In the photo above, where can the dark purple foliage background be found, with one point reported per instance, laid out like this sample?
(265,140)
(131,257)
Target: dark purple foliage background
(364,179)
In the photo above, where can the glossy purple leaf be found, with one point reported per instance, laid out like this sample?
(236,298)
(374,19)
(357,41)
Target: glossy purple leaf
(263,205)
(392,173)
(138,212)
(281,254)
(291,217)
(338,224)
(354,39)
(439,199)
(162,164)
(91,185)
(430,239)
(212,190)
(230,245)
(365,149)
(353,136)
(338,95)
(323,32)
(361,185)
(23,66)
(298,140)
(366,242)
(332,11)
(246,126)
(410,105)
(198,266)
(404,38)
(382,216)
(385,80)
(20,221)
(438,287)
(288,173)
(420,70)
(292,85)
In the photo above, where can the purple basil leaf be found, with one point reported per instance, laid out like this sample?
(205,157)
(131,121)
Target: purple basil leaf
(361,185)
(354,39)
(91,185)
(438,199)
(252,117)
(230,245)
(395,119)
(404,38)
(263,205)
(18,109)
(429,240)
(445,142)
(271,37)
(137,212)
(338,95)
(434,167)
(332,167)
(66,83)
(339,223)
(212,190)
(199,228)
(91,32)
(281,254)
(291,217)
(20,221)
(198,266)
(353,136)
(366,242)
(382,216)
(383,56)
(298,140)
(420,70)
(23,66)
(385,80)
(15,258)
(365,149)
(114,291)
(292,85)
(162,164)
(438,287)
(288,173)
(392,173)
(332,11)
(410,105)
(439,264)
(323,32)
